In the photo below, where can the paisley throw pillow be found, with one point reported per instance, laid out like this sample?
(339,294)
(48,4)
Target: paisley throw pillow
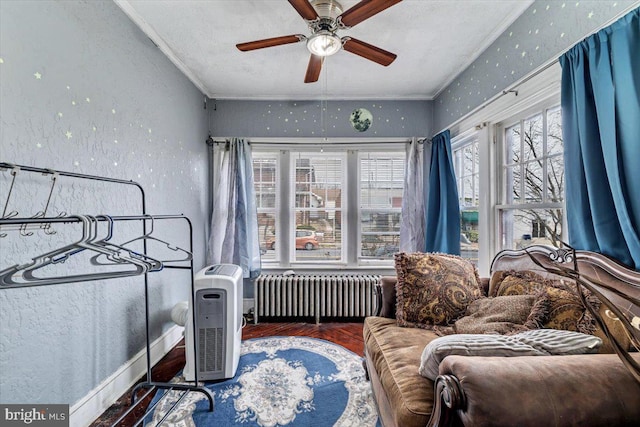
(434,289)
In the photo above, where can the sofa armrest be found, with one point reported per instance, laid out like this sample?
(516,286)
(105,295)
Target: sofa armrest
(386,295)
(593,390)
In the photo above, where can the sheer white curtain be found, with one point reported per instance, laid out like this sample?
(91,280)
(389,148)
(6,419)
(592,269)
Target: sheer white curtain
(412,224)
(234,219)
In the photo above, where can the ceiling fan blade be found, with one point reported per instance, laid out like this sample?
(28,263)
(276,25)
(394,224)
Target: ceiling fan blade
(304,8)
(365,10)
(274,41)
(313,69)
(368,51)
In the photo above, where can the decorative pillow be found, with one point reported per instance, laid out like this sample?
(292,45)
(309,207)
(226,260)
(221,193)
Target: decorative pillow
(537,342)
(558,299)
(499,315)
(471,345)
(565,310)
(433,289)
(517,283)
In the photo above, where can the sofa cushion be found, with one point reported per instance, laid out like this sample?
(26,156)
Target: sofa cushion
(394,353)
(536,342)
(433,289)
(500,315)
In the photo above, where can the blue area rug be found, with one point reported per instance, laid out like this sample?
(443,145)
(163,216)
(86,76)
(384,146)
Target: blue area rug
(282,381)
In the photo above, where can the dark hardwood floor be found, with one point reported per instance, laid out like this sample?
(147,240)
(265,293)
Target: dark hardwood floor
(348,335)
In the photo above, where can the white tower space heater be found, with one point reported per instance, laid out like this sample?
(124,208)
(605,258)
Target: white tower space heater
(218,324)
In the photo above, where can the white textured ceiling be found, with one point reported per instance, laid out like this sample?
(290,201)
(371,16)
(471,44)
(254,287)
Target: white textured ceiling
(434,41)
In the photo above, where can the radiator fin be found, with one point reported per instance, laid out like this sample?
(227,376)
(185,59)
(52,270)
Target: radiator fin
(317,296)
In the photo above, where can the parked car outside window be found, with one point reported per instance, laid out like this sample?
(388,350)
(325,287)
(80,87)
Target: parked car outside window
(305,239)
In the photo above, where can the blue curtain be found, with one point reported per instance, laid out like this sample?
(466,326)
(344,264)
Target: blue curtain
(443,208)
(234,220)
(601,131)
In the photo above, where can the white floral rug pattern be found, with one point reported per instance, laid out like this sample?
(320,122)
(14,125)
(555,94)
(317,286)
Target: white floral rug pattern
(281,381)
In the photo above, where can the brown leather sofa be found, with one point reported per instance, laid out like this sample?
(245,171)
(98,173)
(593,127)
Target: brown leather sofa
(579,390)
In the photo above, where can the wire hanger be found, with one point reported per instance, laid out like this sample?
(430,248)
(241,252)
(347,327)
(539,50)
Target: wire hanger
(124,254)
(18,275)
(187,256)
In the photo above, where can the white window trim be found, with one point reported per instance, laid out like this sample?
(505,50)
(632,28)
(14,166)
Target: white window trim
(458,142)
(356,249)
(351,213)
(292,208)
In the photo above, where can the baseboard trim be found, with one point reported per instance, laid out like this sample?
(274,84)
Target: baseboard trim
(98,400)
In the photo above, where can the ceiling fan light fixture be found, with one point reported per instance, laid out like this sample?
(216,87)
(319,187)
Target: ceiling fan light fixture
(324,43)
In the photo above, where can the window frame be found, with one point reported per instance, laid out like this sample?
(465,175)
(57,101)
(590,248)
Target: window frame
(274,210)
(502,205)
(292,209)
(374,261)
(540,88)
(351,237)
(472,138)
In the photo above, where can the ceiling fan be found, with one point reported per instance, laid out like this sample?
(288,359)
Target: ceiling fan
(325,18)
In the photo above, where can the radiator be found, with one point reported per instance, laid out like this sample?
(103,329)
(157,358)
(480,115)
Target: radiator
(316,296)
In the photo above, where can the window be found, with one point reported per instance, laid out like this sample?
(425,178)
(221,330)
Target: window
(319,183)
(381,186)
(265,177)
(467,168)
(532,209)
(339,207)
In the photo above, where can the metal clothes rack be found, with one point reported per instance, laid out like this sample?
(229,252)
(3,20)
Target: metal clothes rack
(40,219)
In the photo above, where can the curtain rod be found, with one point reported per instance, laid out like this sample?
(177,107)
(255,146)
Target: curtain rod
(545,66)
(308,141)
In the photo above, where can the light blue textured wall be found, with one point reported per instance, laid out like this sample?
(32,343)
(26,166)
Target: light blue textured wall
(308,118)
(84,90)
(545,30)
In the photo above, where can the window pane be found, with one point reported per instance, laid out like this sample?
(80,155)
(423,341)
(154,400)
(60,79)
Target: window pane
(469,200)
(379,246)
(267,235)
(533,186)
(512,182)
(539,180)
(512,145)
(380,222)
(319,242)
(525,227)
(555,179)
(318,181)
(264,177)
(468,191)
(381,180)
(469,161)
(476,189)
(318,202)
(533,138)
(469,238)
(554,132)
(381,189)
